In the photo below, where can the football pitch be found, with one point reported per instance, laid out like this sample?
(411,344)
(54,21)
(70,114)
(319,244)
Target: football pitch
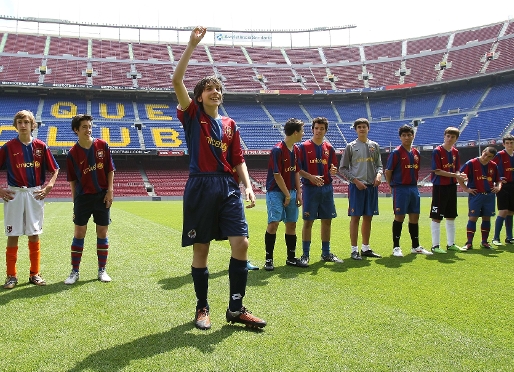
(449,312)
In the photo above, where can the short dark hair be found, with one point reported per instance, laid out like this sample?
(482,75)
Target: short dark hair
(75,122)
(405,129)
(293,125)
(490,150)
(360,121)
(200,87)
(320,120)
(508,137)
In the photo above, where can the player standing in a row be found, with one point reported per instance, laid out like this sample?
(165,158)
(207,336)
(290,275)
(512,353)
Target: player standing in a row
(402,176)
(445,176)
(504,159)
(318,164)
(483,183)
(362,167)
(27,160)
(91,174)
(284,194)
(212,199)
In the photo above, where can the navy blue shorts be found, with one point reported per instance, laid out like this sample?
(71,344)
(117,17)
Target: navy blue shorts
(362,202)
(91,204)
(406,200)
(481,205)
(212,209)
(318,202)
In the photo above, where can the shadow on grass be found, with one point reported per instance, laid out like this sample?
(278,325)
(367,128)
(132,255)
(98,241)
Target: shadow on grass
(180,337)
(449,258)
(493,253)
(394,262)
(28,290)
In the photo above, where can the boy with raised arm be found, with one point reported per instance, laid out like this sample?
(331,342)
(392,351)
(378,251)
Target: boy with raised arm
(212,206)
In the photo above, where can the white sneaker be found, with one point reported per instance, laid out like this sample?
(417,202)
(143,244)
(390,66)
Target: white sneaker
(397,251)
(103,276)
(421,250)
(74,276)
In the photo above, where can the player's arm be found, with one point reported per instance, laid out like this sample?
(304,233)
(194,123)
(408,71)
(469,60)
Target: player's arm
(282,186)
(110,189)
(72,187)
(298,189)
(178,76)
(49,186)
(315,180)
(244,177)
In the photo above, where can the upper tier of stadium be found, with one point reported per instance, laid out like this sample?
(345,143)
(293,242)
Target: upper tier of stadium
(34,59)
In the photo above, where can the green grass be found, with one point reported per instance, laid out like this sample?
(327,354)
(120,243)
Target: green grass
(448,312)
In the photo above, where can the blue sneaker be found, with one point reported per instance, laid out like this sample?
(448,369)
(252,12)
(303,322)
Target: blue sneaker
(249,266)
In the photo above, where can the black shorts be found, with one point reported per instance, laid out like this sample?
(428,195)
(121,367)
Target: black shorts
(444,202)
(91,204)
(505,198)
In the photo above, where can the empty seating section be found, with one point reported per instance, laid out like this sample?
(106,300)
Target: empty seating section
(157,111)
(423,68)
(239,79)
(279,78)
(505,52)
(20,69)
(386,133)
(111,73)
(246,112)
(462,99)
(263,56)
(118,135)
(347,77)
(322,108)
(28,44)
(199,54)
(259,136)
(341,54)
(11,104)
(164,135)
(57,133)
(421,105)
(67,46)
(480,34)
(282,111)
(501,94)
(148,52)
(466,62)
(154,75)
(165,181)
(432,43)
(388,50)
(227,54)
(66,71)
(110,49)
(315,78)
(349,111)
(430,130)
(383,73)
(490,124)
(61,187)
(128,180)
(385,108)
(304,56)
(194,75)
(334,136)
(117,110)
(63,108)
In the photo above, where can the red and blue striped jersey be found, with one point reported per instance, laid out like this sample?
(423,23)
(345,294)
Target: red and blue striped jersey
(505,164)
(481,177)
(90,167)
(27,164)
(405,166)
(448,161)
(284,162)
(213,145)
(317,160)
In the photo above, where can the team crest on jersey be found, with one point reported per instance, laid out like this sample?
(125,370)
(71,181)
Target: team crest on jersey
(371,149)
(100,154)
(326,153)
(191,234)
(8,229)
(38,153)
(416,158)
(229,133)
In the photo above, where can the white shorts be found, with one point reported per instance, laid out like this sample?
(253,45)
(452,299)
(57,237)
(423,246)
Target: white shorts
(23,215)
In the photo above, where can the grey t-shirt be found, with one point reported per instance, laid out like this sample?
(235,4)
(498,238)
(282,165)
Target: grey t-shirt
(361,160)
